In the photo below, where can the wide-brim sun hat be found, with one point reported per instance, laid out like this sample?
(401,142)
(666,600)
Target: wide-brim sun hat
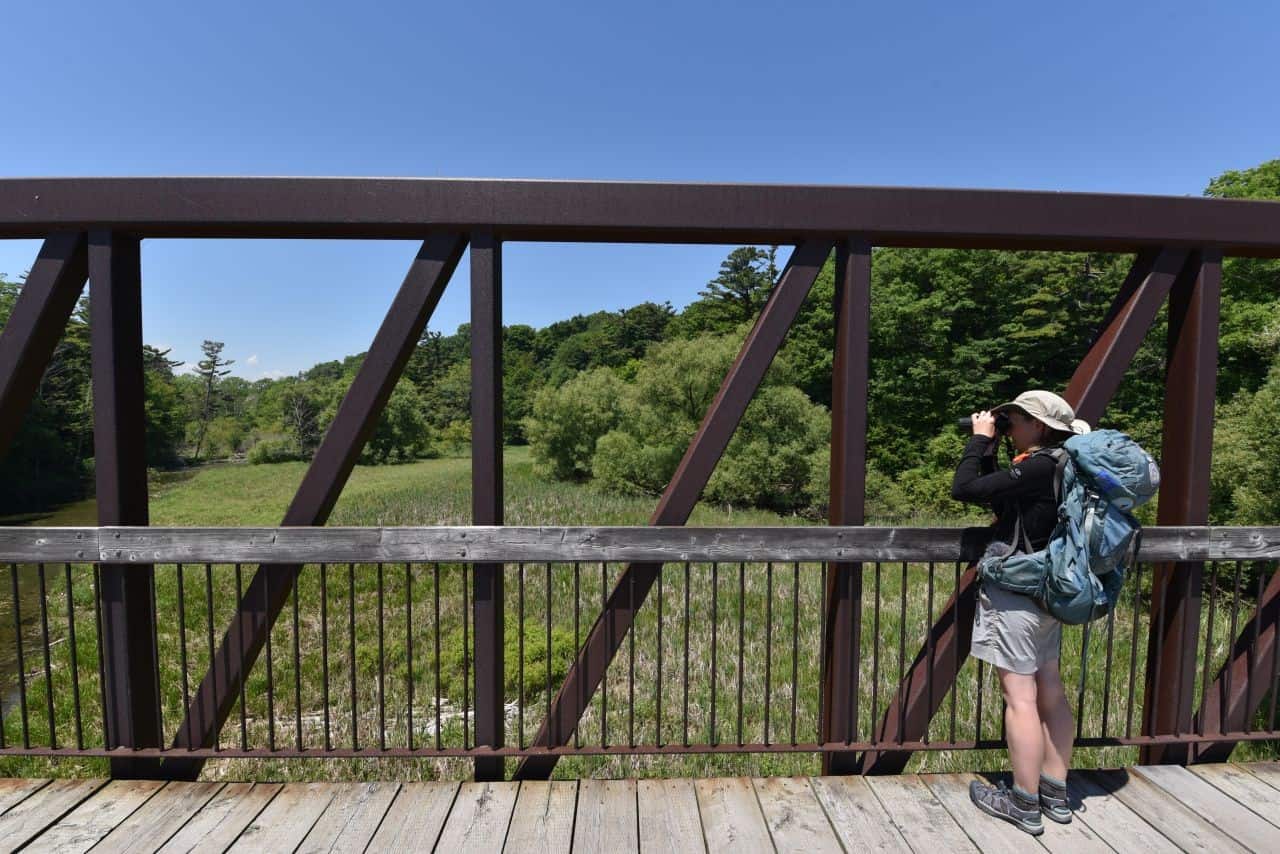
(1047,408)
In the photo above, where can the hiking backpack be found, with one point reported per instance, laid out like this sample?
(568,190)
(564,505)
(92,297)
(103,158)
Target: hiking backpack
(1100,477)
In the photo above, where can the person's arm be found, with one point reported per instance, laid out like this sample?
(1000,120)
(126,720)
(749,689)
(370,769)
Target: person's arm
(972,485)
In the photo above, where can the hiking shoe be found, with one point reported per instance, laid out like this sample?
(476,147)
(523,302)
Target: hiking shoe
(1019,808)
(1053,800)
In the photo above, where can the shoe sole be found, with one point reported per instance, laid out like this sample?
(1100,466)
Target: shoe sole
(1056,816)
(1033,829)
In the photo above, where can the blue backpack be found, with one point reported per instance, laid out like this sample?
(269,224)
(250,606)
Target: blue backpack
(1101,476)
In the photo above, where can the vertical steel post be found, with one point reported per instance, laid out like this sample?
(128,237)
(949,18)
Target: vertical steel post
(486,492)
(1186,452)
(119,431)
(852,305)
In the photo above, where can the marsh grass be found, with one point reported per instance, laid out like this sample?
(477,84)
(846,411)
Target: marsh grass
(753,631)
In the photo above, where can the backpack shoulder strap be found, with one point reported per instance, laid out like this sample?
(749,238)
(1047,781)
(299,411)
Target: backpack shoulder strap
(1060,459)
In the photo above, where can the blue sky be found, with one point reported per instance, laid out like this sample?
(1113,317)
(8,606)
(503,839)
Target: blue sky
(1123,97)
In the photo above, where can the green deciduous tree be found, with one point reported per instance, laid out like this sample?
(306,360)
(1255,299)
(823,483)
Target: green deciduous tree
(566,422)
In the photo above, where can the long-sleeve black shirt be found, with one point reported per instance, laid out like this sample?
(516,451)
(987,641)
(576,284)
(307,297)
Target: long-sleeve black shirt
(1027,485)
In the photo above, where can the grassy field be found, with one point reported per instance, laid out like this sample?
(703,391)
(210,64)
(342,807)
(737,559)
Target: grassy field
(339,624)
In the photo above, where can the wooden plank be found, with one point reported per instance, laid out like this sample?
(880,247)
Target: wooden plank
(415,818)
(1212,805)
(607,816)
(1162,811)
(14,791)
(1110,818)
(479,818)
(1243,787)
(1267,772)
(83,827)
(351,818)
(668,816)
(223,818)
(987,832)
(288,819)
(995,835)
(543,816)
(25,820)
(484,543)
(159,818)
(920,817)
(731,816)
(794,816)
(857,815)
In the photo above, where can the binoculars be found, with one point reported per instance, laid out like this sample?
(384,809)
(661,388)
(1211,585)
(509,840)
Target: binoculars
(1002,423)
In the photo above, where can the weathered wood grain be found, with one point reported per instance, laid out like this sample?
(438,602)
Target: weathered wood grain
(669,820)
(25,820)
(921,818)
(415,818)
(512,543)
(606,819)
(1212,805)
(83,827)
(731,817)
(14,791)
(159,818)
(288,819)
(350,819)
(221,821)
(479,819)
(857,814)
(1163,812)
(794,816)
(543,817)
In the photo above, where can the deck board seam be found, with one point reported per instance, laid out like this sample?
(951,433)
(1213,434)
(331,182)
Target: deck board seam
(1249,807)
(826,813)
(27,795)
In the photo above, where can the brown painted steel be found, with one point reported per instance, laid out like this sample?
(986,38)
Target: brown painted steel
(1251,668)
(679,498)
(1186,453)
(1145,289)
(131,689)
(630,211)
(486,492)
(842,642)
(35,325)
(355,420)
(231,752)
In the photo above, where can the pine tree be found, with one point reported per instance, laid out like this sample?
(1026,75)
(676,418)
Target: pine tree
(209,369)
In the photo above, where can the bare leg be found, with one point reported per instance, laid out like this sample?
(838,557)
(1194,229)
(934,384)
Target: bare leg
(1056,720)
(1022,728)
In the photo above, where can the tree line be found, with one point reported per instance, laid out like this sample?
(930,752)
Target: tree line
(613,397)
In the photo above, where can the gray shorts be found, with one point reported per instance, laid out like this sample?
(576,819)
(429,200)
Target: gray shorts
(1011,632)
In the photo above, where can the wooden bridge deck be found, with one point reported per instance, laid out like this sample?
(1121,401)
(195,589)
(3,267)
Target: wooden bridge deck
(1162,808)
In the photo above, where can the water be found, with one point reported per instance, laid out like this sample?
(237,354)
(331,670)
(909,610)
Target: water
(75,514)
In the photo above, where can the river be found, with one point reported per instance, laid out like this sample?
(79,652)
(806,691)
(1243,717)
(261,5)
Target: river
(76,513)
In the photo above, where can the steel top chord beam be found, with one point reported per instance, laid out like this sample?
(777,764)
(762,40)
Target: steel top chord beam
(635,212)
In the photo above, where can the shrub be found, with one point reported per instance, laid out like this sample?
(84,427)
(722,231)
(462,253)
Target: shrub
(274,451)
(568,421)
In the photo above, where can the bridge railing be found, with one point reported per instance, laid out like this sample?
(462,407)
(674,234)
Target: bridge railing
(93,231)
(375,653)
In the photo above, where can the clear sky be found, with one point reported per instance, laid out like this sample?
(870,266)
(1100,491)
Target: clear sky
(1138,97)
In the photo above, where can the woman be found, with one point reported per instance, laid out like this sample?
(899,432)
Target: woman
(1010,631)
